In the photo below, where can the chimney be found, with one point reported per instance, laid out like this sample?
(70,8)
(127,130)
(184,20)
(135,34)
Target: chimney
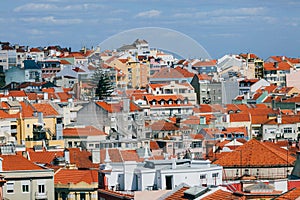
(126,105)
(96,156)
(279,119)
(40,118)
(173,163)
(45,95)
(67,156)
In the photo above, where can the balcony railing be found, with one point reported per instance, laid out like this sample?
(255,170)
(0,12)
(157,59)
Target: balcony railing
(39,195)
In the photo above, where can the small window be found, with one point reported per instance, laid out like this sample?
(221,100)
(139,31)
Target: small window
(41,189)
(97,146)
(10,187)
(215,175)
(203,176)
(28,125)
(25,188)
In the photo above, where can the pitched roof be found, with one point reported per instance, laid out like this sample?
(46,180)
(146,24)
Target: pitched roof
(291,194)
(17,162)
(46,109)
(75,176)
(82,131)
(256,154)
(268,66)
(117,107)
(205,63)
(222,195)
(171,73)
(163,125)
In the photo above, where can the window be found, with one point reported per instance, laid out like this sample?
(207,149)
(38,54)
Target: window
(203,176)
(41,189)
(287,130)
(28,125)
(25,188)
(10,187)
(97,146)
(215,175)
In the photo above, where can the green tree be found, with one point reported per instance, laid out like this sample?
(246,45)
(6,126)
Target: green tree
(104,86)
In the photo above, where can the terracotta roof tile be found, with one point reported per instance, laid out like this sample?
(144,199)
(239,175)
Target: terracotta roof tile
(17,162)
(17,93)
(117,107)
(115,194)
(75,176)
(163,125)
(82,131)
(222,195)
(256,154)
(291,194)
(268,66)
(154,145)
(46,109)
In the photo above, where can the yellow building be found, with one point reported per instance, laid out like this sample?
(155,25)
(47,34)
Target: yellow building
(36,122)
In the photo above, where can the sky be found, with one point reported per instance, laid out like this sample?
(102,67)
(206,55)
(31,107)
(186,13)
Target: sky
(221,27)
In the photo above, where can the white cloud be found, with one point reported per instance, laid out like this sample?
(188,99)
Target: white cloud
(222,13)
(34,32)
(149,14)
(51,7)
(51,20)
(35,7)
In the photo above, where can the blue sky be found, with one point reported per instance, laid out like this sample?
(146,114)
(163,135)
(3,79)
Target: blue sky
(221,27)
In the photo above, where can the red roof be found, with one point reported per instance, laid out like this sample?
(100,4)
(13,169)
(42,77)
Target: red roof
(205,63)
(117,107)
(256,154)
(163,125)
(84,131)
(46,109)
(17,93)
(222,195)
(291,194)
(268,66)
(17,162)
(75,176)
(204,77)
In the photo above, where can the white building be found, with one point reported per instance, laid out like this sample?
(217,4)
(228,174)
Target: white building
(158,174)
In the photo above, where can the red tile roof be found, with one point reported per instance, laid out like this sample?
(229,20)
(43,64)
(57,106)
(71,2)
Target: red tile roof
(178,195)
(204,77)
(82,132)
(82,159)
(154,145)
(17,162)
(163,125)
(222,195)
(268,66)
(17,93)
(205,63)
(256,154)
(75,176)
(185,72)
(46,109)
(115,194)
(117,107)
(289,195)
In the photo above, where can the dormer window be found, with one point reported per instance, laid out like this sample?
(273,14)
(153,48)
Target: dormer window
(153,103)
(162,102)
(170,102)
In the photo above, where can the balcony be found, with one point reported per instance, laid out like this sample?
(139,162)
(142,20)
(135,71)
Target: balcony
(41,195)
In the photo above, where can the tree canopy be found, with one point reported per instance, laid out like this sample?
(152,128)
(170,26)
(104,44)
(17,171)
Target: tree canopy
(104,85)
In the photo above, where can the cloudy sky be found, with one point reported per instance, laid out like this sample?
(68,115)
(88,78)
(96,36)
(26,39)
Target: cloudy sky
(232,26)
